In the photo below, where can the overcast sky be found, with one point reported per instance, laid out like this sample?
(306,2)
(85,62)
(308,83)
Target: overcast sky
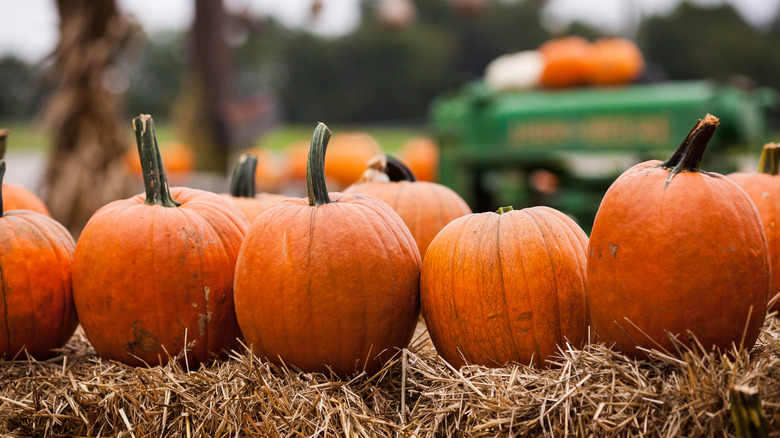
(28,28)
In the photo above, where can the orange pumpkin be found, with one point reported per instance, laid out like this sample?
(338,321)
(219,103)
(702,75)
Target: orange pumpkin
(348,154)
(295,155)
(763,187)
(328,283)
(242,189)
(425,207)
(614,61)
(674,252)
(154,273)
(505,287)
(269,170)
(16,196)
(421,154)
(37,313)
(565,61)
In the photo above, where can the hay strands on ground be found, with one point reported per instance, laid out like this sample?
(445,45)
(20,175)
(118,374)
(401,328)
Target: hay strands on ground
(592,391)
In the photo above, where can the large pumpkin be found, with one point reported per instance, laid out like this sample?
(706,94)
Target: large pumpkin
(330,282)
(242,189)
(37,313)
(154,273)
(505,286)
(677,252)
(425,207)
(16,196)
(763,187)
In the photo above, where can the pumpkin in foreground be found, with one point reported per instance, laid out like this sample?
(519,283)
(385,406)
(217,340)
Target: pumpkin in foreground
(505,287)
(425,207)
(763,187)
(328,283)
(37,313)
(242,189)
(154,273)
(677,252)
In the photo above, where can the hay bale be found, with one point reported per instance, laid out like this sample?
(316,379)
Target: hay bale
(593,391)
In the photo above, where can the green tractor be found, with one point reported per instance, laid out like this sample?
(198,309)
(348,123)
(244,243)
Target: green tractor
(563,148)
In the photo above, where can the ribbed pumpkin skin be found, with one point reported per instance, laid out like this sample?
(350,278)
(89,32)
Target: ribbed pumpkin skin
(687,255)
(505,287)
(332,285)
(36,301)
(764,191)
(145,274)
(17,197)
(425,207)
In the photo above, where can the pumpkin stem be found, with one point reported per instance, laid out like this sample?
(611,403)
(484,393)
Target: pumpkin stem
(503,210)
(770,159)
(397,171)
(2,175)
(315,167)
(3,142)
(155,181)
(243,183)
(687,157)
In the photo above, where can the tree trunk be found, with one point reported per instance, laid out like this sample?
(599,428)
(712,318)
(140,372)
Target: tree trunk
(199,112)
(84,113)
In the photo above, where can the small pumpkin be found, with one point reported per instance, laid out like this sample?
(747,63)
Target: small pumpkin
(242,189)
(614,61)
(505,287)
(425,207)
(16,196)
(348,154)
(565,61)
(763,187)
(269,170)
(421,154)
(37,313)
(328,283)
(677,252)
(154,273)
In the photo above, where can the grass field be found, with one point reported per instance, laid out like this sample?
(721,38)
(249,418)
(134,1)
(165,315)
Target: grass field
(27,136)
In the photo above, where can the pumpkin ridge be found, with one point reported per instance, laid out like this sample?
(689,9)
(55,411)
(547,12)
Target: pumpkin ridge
(31,226)
(532,317)
(582,275)
(553,267)
(509,325)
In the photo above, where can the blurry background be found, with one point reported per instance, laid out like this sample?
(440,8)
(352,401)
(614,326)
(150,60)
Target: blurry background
(223,76)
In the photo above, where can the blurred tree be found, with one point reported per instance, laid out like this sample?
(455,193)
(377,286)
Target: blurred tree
(84,112)
(18,96)
(199,116)
(697,42)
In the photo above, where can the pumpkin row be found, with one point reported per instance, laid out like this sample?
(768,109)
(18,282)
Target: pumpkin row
(335,281)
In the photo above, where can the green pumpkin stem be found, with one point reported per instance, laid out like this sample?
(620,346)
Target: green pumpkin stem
(3,142)
(397,171)
(315,167)
(155,181)
(2,175)
(688,156)
(503,210)
(769,162)
(243,183)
